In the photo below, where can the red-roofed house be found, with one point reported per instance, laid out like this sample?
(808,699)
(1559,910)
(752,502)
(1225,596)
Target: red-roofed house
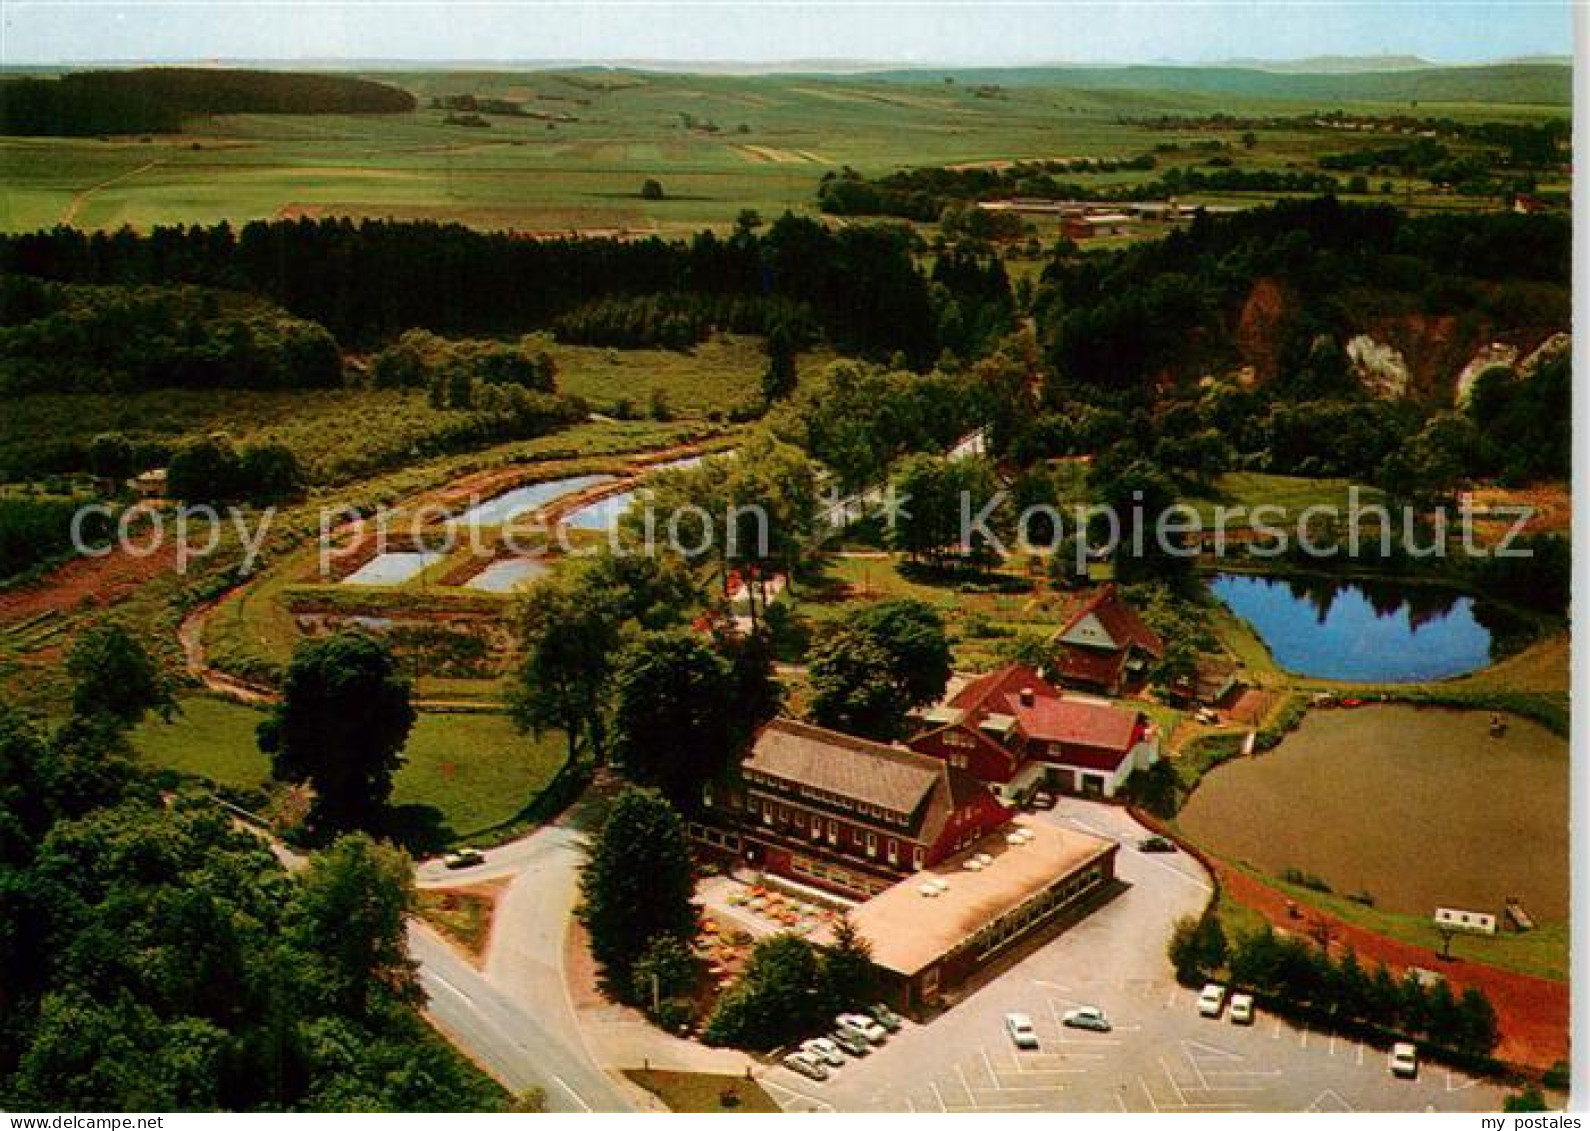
(1013,730)
(1103,646)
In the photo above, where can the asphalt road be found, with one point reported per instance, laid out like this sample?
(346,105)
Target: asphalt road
(1161,1057)
(514,1017)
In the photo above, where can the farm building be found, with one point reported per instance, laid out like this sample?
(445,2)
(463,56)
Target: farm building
(843,813)
(1016,731)
(1104,646)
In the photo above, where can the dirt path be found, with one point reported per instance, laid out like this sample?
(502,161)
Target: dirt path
(1532,1013)
(81,198)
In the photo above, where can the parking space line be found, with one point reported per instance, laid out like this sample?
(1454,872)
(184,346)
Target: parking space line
(1181,1097)
(938,1095)
(1151,1101)
(807,1096)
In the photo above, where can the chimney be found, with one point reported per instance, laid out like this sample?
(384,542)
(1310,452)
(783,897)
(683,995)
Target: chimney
(1026,697)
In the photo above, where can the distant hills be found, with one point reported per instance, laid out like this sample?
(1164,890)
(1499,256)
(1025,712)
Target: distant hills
(1535,83)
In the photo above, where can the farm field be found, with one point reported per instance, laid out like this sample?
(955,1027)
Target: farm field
(1404,804)
(718,144)
(464,773)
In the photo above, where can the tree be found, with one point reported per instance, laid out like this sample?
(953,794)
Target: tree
(854,687)
(569,634)
(110,456)
(778,381)
(1529,1099)
(268,473)
(350,912)
(665,969)
(783,994)
(912,633)
(673,713)
(116,677)
(1474,1027)
(651,189)
(1197,948)
(344,718)
(205,470)
(637,883)
(852,977)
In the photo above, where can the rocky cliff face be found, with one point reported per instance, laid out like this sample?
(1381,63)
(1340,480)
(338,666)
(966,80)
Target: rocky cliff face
(1399,353)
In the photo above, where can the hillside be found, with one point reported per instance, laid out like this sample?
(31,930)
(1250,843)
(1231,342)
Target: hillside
(158,99)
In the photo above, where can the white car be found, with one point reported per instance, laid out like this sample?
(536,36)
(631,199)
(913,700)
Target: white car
(1404,1060)
(1242,1009)
(860,1025)
(1022,1033)
(1212,1000)
(821,1048)
(1087,1017)
(806,1065)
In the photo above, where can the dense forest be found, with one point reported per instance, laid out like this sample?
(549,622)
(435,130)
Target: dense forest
(71,339)
(370,281)
(158,99)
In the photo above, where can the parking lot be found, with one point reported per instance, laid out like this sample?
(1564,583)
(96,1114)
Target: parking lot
(1161,1056)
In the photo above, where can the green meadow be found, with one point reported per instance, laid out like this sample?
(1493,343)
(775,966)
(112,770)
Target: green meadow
(718,144)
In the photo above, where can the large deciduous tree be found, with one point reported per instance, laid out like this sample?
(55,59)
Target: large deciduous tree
(344,718)
(636,885)
(116,677)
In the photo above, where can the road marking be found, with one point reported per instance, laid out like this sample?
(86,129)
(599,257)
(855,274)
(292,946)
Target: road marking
(1329,1095)
(1463,1087)
(1333,1044)
(1120,1099)
(1360,1054)
(1276,1035)
(1151,1101)
(823,1104)
(564,1084)
(1181,1097)
(938,1095)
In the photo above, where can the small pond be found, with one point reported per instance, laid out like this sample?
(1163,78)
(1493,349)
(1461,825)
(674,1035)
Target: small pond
(504,508)
(508,574)
(602,514)
(1364,631)
(393,568)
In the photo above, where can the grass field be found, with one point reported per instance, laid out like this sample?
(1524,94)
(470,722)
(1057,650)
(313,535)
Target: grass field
(463,773)
(717,143)
(703,1091)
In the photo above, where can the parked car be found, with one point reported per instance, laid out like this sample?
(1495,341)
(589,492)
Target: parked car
(1156,844)
(806,1065)
(851,1043)
(1212,1000)
(1087,1017)
(1041,800)
(862,1026)
(463,858)
(821,1048)
(1242,1009)
(886,1017)
(1404,1060)
(1022,1034)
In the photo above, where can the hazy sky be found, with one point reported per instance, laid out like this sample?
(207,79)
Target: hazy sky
(959,31)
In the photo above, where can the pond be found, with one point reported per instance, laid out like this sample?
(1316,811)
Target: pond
(393,568)
(504,508)
(602,514)
(508,574)
(1418,806)
(1364,631)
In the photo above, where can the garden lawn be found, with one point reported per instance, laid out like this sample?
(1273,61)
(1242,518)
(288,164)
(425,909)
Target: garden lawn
(471,771)
(702,1091)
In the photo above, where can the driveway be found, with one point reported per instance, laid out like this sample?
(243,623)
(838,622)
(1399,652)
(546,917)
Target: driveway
(1161,1057)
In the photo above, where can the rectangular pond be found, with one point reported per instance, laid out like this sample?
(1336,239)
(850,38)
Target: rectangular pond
(510,505)
(507,575)
(393,568)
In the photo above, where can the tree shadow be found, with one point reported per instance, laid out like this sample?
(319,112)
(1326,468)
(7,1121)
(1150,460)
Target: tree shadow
(421,829)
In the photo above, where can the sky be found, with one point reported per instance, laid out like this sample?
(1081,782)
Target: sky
(993,32)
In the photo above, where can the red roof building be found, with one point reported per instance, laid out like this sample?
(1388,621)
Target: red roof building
(1104,646)
(1013,729)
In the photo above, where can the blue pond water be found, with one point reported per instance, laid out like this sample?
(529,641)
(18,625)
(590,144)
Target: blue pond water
(1375,632)
(602,514)
(510,505)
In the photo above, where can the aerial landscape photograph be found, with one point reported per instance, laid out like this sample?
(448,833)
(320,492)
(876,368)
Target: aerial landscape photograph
(747,556)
